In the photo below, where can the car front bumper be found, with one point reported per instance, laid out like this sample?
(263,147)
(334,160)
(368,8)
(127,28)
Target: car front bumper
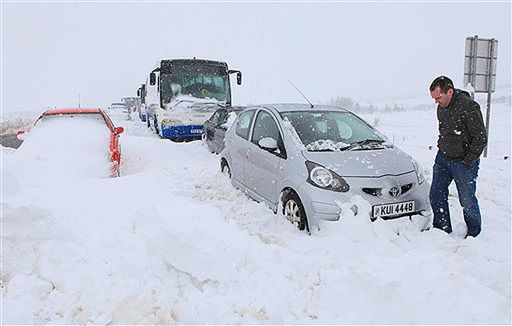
(321,204)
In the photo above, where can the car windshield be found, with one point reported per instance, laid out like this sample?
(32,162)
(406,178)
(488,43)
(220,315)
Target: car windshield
(200,81)
(330,130)
(74,116)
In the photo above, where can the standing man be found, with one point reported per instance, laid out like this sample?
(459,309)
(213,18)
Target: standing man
(462,138)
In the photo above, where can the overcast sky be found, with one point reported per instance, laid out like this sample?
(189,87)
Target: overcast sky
(51,52)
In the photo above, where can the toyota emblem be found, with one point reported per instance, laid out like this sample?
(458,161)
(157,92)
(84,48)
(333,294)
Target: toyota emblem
(394,192)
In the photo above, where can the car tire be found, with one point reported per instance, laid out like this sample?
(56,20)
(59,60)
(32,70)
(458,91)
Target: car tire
(155,122)
(293,210)
(224,168)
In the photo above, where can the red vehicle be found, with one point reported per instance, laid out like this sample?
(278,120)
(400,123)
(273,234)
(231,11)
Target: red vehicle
(115,149)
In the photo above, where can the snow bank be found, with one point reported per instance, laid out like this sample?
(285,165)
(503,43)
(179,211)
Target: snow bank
(173,242)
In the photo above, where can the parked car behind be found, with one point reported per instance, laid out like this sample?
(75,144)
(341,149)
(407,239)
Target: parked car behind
(131,103)
(84,121)
(215,128)
(118,112)
(311,159)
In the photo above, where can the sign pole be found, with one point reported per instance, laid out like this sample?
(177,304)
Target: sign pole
(474,50)
(489,91)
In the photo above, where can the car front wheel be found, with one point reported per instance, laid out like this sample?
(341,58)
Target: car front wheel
(293,210)
(224,168)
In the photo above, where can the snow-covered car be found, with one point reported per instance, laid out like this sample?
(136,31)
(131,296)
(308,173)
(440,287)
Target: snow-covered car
(74,128)
(215,128)
(321,162)
(118,112)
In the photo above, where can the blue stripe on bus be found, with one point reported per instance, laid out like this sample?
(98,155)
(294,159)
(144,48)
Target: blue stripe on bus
(182,131)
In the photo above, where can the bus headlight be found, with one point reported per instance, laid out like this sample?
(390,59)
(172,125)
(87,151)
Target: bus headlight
(165,123)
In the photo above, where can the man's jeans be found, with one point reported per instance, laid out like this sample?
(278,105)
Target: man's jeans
(446,170)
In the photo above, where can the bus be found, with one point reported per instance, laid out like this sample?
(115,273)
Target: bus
(181,94)
(141,93)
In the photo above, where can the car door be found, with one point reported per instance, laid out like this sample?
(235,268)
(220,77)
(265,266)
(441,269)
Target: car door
(262,165)
(220,130)
(209,130)
(239,145)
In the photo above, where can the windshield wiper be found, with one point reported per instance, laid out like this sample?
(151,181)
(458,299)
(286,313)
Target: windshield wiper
(363,143)
(320,150)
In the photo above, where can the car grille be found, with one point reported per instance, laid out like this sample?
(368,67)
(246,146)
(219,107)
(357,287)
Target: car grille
(378,191)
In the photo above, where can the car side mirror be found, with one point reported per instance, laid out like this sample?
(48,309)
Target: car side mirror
(268,143)
(119,130)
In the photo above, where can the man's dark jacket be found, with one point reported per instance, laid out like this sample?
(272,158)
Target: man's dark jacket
(462,133)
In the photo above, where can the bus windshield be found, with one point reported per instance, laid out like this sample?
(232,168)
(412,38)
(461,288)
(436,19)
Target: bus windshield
(200,81)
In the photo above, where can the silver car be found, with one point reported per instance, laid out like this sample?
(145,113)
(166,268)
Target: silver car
(314,159)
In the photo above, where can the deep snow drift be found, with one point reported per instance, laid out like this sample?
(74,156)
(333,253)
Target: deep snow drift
(171,241)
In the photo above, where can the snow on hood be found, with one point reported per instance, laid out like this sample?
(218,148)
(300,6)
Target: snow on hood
(187,103)
(326,144)
(189,110)
(372,163)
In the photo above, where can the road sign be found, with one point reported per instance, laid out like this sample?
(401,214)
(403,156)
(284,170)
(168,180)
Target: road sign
(480,63)
(480,70)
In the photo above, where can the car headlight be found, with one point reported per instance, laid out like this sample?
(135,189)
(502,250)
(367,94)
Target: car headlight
(324,178)
(419,171)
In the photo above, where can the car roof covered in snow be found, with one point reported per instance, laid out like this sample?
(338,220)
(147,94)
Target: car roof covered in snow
(71,111)
(287,107)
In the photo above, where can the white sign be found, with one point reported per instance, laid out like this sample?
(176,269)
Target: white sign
(480,63)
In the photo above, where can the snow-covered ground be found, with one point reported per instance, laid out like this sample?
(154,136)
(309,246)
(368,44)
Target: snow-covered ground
(171,241)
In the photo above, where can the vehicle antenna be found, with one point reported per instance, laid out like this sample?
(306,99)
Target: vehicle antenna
(300,93)
(79,101)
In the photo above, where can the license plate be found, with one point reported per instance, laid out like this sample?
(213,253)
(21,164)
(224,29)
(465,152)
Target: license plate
(196,131)
(393,209)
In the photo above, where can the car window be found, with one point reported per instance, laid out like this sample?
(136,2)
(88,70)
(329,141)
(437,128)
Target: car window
(75,116)
(265,126)
(223,117)
(337,127)
(243,124)
(215,117)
